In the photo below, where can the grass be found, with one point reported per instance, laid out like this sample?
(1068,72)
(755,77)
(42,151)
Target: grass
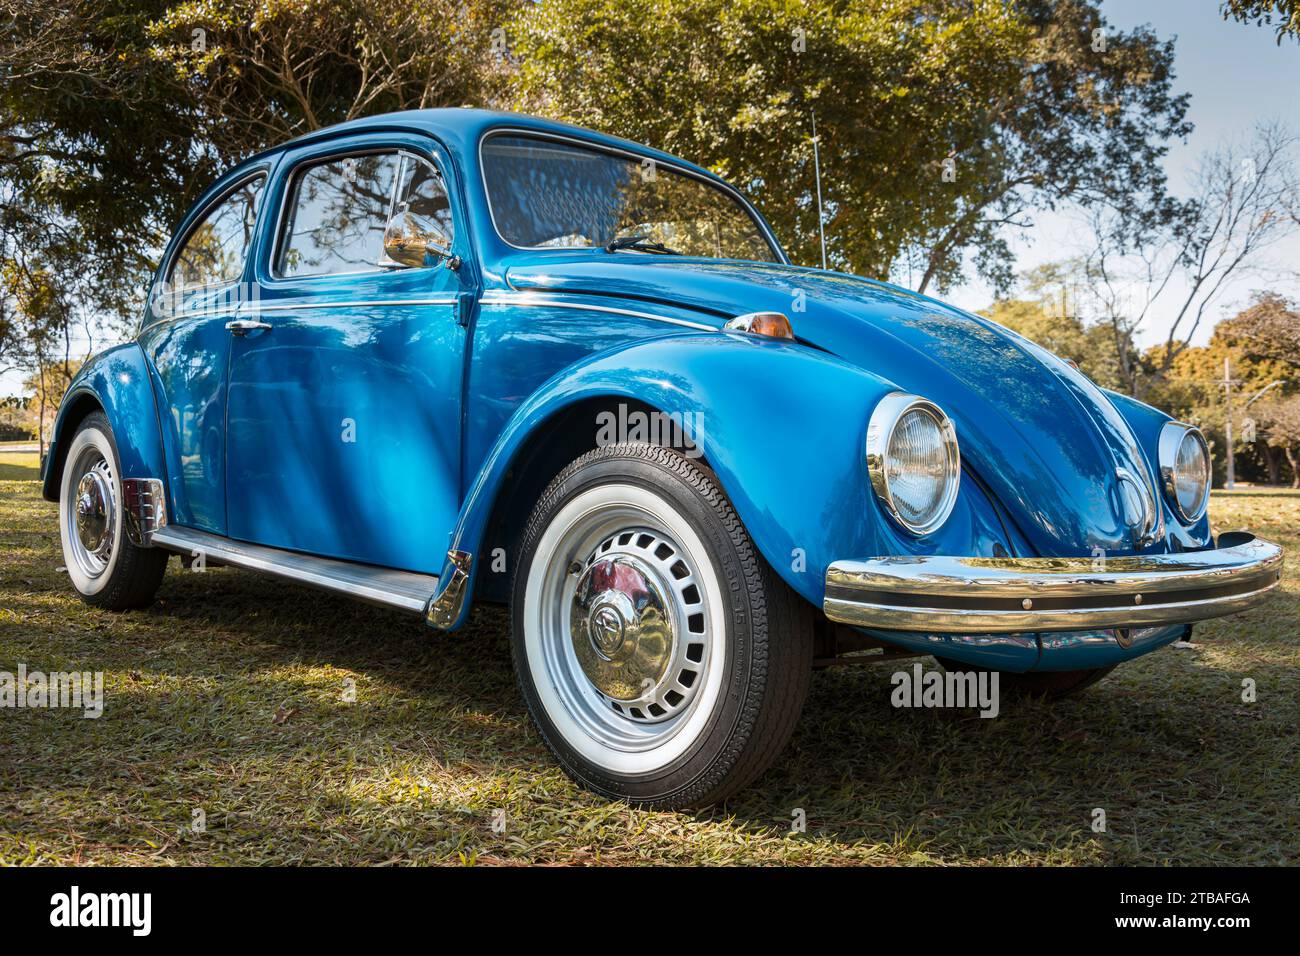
(226,697)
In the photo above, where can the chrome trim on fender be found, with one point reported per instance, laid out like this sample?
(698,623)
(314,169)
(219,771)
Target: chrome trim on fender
(534,299)
(991,595)
(144,503)
(444,608)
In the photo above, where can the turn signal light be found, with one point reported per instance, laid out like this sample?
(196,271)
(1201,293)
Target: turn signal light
(773,325)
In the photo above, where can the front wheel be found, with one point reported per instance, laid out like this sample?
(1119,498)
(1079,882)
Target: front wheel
(661,659)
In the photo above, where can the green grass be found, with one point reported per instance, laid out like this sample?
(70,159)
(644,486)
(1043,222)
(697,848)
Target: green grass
(437,740)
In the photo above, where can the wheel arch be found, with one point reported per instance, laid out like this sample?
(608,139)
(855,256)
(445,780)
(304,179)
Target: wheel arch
(566,434)
(116,383)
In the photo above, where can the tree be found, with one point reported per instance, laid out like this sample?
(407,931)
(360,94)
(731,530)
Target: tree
(940,125)
(262,71)
(1282,430)
(1286,13)
(1186,255)
(1193,389)
(115,114)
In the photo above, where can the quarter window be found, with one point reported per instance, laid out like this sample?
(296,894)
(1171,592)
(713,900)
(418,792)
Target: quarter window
(214,253)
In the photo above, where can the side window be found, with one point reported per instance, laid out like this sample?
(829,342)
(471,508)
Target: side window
(336,217)
(214,253)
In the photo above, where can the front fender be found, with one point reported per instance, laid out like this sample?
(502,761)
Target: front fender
(116,381)
(783,427)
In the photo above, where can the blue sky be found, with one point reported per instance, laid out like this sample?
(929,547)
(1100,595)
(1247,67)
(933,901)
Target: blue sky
(1238,76)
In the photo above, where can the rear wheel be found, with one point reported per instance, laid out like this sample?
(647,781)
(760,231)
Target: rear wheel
(1052,685)
(661,659)
(107,570)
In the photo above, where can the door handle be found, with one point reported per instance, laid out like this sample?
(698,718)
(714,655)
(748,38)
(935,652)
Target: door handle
(244,326)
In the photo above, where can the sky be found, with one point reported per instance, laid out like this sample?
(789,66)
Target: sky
(1237,76)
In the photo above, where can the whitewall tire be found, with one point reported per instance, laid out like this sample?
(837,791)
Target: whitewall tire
(106,569)
(661,659)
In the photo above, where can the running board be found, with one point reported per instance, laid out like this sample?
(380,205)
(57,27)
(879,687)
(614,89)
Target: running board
(404,590)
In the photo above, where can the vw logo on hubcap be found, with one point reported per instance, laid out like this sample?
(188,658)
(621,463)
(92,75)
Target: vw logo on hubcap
(606,630)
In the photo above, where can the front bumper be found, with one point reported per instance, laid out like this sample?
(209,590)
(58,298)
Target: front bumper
(1016,595)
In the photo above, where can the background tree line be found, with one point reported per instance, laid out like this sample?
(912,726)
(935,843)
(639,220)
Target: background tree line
(943,127)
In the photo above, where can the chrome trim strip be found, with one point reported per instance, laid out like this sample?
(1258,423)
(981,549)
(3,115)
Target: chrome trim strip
(444,608)
(255,307)
(534,299)
(245,308)
(144,502)
(720,183)
(990,595)
(403,590)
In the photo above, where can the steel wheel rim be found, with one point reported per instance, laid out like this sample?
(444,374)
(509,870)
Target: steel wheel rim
(90,520)
(628,726)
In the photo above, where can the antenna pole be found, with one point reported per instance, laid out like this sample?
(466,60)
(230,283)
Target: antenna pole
(817,167)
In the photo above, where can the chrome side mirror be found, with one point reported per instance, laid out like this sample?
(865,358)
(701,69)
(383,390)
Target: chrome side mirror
(414,240)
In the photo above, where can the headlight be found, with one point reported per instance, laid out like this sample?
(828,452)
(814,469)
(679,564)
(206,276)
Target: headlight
(913,460)
(1185,469)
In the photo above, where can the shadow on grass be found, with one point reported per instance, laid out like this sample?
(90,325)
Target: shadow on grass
(19,468)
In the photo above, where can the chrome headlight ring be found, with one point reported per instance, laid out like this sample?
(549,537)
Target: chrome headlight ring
(898,408)
(1173,437)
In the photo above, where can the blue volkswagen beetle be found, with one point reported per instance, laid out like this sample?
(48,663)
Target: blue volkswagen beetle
(433,357)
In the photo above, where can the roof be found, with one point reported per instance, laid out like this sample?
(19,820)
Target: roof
(461,128)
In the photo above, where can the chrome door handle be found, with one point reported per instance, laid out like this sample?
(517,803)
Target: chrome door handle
(244,326)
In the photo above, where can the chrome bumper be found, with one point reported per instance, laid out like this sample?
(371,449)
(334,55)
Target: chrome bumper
(992,595)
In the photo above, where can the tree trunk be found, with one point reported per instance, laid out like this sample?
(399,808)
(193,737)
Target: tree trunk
(1295,466)
(1270,461)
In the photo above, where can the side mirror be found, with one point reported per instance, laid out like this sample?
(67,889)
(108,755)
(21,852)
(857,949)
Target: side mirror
(414,240)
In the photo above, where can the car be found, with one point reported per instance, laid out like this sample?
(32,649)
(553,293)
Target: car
(438,357)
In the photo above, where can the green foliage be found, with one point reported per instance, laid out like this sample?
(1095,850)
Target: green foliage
(939,123)
(1284,13)
(262,71)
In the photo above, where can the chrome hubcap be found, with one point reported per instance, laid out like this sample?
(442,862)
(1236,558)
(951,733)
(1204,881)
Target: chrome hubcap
(93,499)
(92,513)
(624,628)
(634,598)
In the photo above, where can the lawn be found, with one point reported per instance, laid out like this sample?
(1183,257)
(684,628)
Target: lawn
(229,697)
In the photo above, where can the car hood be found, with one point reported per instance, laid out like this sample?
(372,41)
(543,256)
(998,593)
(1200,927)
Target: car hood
(1038,434)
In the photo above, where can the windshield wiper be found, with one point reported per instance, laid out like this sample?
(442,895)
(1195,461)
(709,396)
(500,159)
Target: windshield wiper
(640,244)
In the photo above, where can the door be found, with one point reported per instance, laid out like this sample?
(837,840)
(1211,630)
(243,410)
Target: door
(343,425)
(185,339)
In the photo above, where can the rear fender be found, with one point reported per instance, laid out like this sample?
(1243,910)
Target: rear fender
(115,382)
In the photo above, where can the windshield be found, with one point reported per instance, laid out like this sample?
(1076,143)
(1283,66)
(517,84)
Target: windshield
(548,194)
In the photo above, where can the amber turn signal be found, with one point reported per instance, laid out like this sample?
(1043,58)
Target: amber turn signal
(774,325)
